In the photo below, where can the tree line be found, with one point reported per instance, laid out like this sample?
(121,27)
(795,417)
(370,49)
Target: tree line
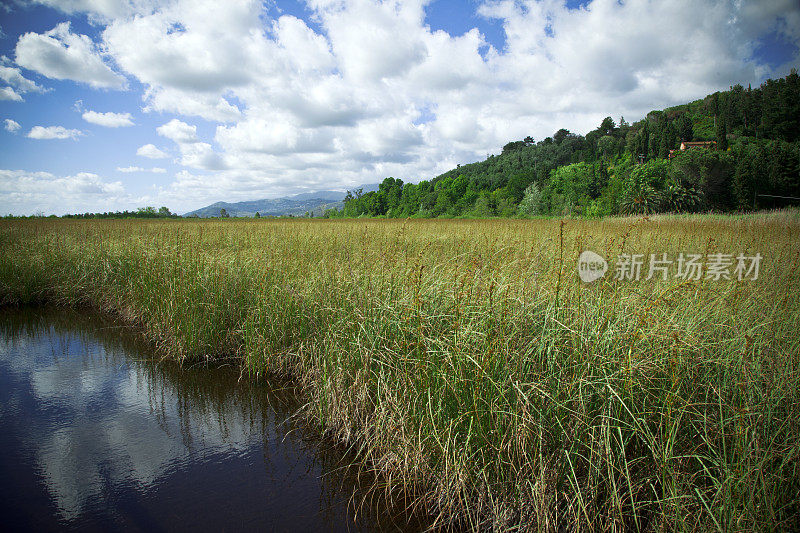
(141,212)
(624,168)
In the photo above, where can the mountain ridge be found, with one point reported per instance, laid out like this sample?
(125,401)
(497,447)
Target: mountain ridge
(315,202)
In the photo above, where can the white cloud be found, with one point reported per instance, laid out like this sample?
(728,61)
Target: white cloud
(53,132)
(614,58)
(194,153)
(63,55)
(7,93)
(301,47)
(12,125)
(29,192)
(101,10)
(109,119)
(178,131)
(155,170)
(375,40)
(201,156)
(197,46)
(150,151)
(276,137)
(17,83)
(208,106)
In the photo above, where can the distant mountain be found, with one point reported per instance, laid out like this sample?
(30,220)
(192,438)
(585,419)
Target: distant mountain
(316,202)
(333,196)
(268,207)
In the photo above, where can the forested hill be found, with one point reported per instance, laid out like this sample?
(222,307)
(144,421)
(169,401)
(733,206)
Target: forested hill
(622,168)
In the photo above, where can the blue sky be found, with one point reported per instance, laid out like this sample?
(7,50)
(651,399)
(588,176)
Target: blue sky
(115,104)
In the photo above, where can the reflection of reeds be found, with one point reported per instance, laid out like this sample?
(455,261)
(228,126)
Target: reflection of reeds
(438,351)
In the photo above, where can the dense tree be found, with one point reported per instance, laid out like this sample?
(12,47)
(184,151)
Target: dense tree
(141,212)
(722,136)
(607,145)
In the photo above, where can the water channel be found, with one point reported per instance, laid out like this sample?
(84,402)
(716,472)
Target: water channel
(97,433)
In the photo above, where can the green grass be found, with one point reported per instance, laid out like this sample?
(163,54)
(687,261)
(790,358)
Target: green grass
(466,363)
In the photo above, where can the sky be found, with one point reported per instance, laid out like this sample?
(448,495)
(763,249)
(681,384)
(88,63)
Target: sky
(116,104)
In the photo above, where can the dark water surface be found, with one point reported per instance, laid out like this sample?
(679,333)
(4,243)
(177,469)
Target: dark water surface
(97,434)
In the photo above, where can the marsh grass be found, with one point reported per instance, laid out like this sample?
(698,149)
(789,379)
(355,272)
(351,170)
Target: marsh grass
(465,362)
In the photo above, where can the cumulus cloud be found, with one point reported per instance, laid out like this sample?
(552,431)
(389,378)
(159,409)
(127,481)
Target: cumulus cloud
(53,132)
(109,119)
(28,192)
(178,131)
(190,54)
(375,40)
(201,156)
(275,137)
(155,170)
(17,83)
(8,93)
(196,46)
(150,151)
(194,153)
(12,125)
(210,107)
(63,55)
(101,10)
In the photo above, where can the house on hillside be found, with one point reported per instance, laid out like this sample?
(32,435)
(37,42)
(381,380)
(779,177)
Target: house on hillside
(688,145)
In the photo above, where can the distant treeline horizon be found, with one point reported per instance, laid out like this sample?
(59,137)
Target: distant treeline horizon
(142,212)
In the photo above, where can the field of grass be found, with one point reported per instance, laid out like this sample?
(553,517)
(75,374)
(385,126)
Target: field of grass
(466,362)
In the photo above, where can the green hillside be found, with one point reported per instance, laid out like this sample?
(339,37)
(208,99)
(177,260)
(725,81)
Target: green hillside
(625,168)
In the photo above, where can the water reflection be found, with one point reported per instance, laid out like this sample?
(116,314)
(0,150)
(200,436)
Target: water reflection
(96,433)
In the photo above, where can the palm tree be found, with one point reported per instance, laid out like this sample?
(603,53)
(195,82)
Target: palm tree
(645,201)
(680,199)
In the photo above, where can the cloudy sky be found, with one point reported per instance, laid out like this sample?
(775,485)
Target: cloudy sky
(114,104)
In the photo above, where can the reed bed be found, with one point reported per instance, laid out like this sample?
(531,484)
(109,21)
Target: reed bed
(466,363)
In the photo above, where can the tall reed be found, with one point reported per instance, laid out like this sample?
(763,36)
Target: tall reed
(466,362)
